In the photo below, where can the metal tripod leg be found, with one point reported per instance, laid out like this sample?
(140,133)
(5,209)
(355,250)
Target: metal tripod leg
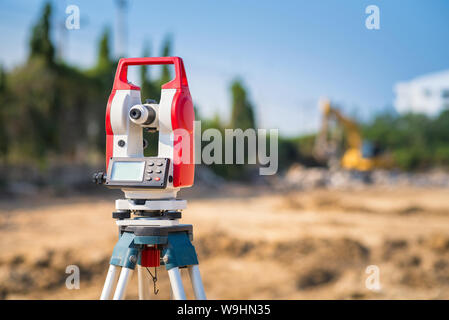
(143,283)
(109,283)
(197,283)
(176,284)
(120,291)
(171,296)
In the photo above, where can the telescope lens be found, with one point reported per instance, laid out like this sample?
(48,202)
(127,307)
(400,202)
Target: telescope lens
(142,115)
(135,114)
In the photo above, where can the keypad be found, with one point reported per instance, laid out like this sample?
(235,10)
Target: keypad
(156,171)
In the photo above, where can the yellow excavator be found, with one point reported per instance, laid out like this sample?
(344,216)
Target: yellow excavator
(357,155)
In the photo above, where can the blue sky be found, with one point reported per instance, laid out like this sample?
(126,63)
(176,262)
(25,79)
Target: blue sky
(289,53)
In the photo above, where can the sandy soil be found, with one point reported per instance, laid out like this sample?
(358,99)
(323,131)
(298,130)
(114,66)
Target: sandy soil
(251,244)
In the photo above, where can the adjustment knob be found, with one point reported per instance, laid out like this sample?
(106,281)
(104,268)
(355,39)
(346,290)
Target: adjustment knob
(121,215)
(99,178)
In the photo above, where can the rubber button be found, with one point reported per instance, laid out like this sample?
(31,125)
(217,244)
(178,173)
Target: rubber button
(157,178)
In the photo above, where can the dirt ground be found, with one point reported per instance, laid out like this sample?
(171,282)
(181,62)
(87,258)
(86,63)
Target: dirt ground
(251,243)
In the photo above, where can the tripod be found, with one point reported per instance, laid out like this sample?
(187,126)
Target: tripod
(142,242)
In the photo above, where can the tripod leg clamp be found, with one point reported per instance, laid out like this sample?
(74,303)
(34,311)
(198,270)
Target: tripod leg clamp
(125,253)
(179,251)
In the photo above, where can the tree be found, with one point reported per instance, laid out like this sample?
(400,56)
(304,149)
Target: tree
(102,76)
(40,42)
(149,89)
(2,79)
(3,135)
(104,61)
(166,52)
(242,115)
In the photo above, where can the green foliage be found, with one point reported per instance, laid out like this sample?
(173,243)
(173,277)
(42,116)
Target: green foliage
(296,150)
(40,42)
(103,71)
(149,89)
(100,79)
(306,143)
(439,129)
(415,140)
(242,115)
(104,61)
(232,172)
(33,100)
(50,110)
(4,143)
(2,79)
(166,52)
(442,155)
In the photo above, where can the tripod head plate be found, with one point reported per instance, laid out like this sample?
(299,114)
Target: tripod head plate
(170,204)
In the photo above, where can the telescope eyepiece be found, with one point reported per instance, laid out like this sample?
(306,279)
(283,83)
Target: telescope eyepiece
(142,114)
(135,113)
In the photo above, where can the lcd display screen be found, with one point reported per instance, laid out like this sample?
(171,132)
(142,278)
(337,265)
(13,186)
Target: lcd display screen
(127,171)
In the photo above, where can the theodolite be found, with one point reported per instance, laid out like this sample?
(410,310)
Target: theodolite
(148,217)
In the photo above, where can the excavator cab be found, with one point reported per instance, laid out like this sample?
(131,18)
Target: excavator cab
(371,149)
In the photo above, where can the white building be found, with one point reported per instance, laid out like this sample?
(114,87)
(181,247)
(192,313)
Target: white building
(427,94)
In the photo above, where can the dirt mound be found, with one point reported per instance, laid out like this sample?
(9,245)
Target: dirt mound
(316,262)
(219,242)
(315,277)
(392,246)
(21,275)
(419,263)
(320,262)
(321,201)
(339,250)
(438,243)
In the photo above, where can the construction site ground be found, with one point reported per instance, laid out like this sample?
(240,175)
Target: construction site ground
(252,243)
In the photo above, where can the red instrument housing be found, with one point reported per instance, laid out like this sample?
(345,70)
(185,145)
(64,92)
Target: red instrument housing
(182,114)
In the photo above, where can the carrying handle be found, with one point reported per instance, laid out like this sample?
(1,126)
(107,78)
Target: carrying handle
(121,76)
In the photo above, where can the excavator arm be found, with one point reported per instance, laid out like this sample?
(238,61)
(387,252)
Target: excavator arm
(352,157)
(352,131)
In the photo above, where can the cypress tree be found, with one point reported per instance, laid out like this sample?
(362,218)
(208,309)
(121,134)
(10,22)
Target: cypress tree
(242,115)
(166,52)
(40,42)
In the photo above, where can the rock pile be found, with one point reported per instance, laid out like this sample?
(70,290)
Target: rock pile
(308,178)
